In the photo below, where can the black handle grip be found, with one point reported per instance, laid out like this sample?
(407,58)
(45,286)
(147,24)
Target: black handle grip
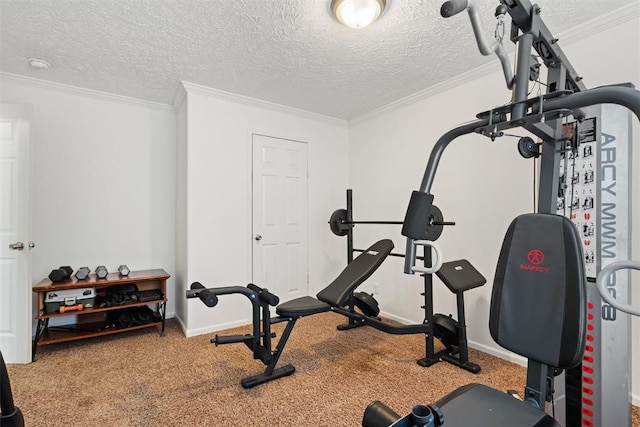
(254,288)
(207,296)
(264,294)
(453,7)
(197,285)
(230,339)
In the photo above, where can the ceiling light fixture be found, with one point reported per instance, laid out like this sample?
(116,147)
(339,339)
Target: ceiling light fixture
(39,64)
(357,13)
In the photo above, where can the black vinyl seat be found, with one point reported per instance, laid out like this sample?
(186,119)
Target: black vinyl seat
(303,306)
(538,310)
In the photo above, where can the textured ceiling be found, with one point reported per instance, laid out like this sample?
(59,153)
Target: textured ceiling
(289,52)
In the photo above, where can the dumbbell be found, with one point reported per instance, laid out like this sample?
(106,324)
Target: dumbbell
(83,273)
(66,308)
(60,274)
(101,272)
(124,270)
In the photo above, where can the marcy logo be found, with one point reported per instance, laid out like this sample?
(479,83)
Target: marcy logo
(535,258)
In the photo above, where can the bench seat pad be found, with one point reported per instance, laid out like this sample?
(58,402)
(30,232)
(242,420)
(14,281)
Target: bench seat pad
(303,306)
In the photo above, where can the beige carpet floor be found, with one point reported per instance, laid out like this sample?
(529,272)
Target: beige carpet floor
(141,379)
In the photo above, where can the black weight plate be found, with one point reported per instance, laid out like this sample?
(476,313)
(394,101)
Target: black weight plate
(366,303)
(434,231)
(337,222)
(446,330)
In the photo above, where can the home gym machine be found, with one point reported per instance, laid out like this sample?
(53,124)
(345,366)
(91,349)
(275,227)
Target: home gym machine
(340,297)
(595,395)
(459,276)
(537,310)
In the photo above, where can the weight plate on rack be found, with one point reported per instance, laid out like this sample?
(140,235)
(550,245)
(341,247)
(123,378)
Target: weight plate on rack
(446,330)
(434,231)
(366,303)
(337,222)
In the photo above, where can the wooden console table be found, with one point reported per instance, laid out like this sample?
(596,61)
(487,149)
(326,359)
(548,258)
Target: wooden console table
(92,321)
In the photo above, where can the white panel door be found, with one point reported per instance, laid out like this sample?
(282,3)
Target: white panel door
(15,277)
(280,216)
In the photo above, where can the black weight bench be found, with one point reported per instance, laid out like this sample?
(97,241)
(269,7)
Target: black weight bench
(339,297)
(334,297)
(338,293)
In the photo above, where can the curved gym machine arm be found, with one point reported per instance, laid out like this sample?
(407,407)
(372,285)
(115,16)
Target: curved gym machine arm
(603,279)
(453,7)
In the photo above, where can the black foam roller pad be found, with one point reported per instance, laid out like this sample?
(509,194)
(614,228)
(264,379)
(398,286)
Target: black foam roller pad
(208,297)
(417,218)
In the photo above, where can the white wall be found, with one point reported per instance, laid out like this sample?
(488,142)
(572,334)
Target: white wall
(217,214)
(103,179)
(482,185)
(182,255)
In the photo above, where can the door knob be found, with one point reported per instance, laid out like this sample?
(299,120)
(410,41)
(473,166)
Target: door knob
(18,246)
(258,237)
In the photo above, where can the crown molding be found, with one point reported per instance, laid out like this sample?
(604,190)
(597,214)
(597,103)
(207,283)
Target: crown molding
(605,22)
(253,102)
(179,98)
(75,90)
(590,28)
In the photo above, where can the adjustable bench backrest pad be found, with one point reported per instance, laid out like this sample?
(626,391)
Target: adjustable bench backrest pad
(356,272)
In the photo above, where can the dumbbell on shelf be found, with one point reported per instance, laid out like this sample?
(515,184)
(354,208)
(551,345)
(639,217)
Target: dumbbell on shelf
(83,273)
(124,270)
(60,274)
(101,272)
(66,308)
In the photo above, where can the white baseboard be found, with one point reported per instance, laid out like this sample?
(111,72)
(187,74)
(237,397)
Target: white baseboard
(181,324)
(213,328)
(498,352)
(396,318)
(635,399)
(192,332)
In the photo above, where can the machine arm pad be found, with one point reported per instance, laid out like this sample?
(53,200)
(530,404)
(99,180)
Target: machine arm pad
(416,220)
